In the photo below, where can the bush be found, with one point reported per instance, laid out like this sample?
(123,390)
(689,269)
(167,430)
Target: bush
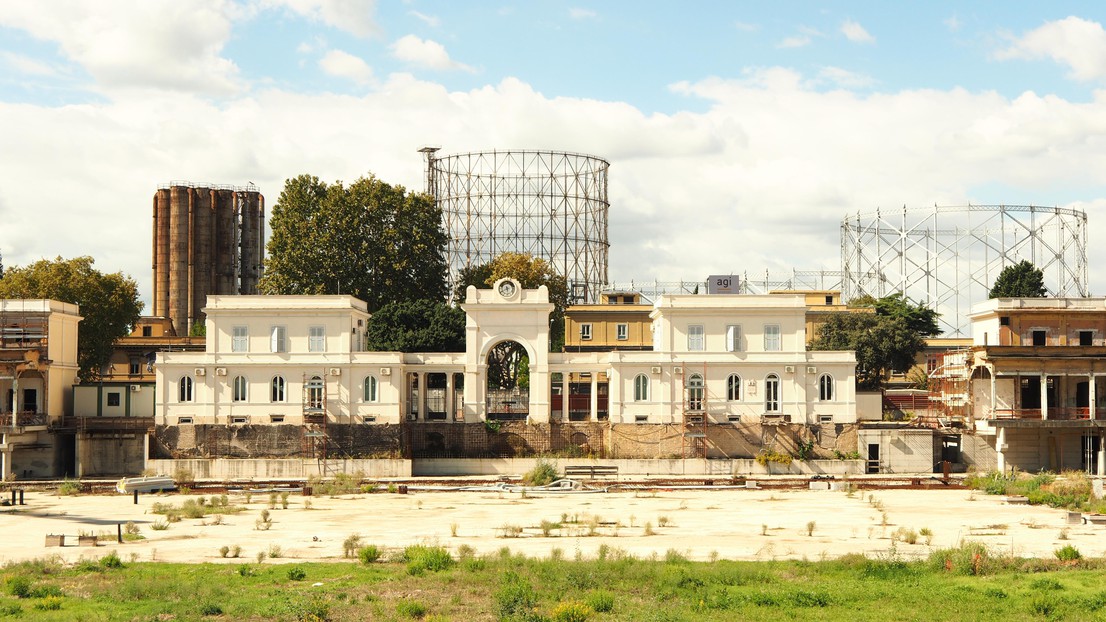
(571,611)
(601,601)
(971,558)
(211,609)
(350,545)
(19,586)
(368,554)
(49,603)
(297,573)
(69,487)
(515,596)
(421,558)
(544,472)
(1068,553)
(111,560)
(411,609)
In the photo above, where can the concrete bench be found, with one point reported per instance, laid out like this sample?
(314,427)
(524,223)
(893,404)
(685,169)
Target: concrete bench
(591,470)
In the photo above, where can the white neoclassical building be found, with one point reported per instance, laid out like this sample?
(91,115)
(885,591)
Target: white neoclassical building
(300,360)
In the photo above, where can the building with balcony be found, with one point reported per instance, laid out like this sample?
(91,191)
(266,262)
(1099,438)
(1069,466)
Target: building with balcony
(38,365)
(1038,381)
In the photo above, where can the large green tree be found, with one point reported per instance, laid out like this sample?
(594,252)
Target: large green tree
(1021,280)
(372,240)
(417,326)
(918,317)
(531,272)
(109,303)
(882,343)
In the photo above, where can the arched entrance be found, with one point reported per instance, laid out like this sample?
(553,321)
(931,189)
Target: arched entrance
(508,367)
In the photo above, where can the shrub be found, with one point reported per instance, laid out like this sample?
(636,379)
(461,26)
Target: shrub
(49,603)
(515,596)
(111,560)
(350,545)
(1068,553)
(245,570)
(235,551)
(770,456)
(547,527)
(159,525)
(810,528)
(19,586)
(368,554)
(224,551)
(297,573)
(421,558)
(969,558)
(601,601)
(571,611)
(275,551)
(211,609)
(543,473)
(411,609)
(130,529)
(69,487)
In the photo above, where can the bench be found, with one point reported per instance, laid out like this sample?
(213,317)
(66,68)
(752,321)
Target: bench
(591,470)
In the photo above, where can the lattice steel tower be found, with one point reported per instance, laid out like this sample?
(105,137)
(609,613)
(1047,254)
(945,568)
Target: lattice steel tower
(551,204)
(949,257)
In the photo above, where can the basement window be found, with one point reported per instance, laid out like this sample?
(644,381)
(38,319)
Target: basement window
(276,418)
(184,420)
(239,420)
(733,418)
(370,418)
(825,418)
(641,418)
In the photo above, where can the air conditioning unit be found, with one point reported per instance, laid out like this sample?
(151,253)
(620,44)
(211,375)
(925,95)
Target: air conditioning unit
(678,370)
(810,369)
(655,369)
(199,371)
(136,387)
(335,371)
(385,371)
(789,369)
(411,417)
(220,371)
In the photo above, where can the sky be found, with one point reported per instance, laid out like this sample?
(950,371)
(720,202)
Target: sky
(739,134)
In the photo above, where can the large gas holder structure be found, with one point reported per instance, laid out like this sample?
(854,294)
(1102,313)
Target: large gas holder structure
(207,240)
(552,205)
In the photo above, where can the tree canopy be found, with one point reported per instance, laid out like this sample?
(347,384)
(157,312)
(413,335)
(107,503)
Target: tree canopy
(417,326)
(531,272)
(371,240)
(109,303)
(882,343)
(1021,280)
(919,318)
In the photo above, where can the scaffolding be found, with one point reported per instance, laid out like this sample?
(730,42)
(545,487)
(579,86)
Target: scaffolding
(315,438)
(550,204)
(949,385)
(948,257)
(695,409)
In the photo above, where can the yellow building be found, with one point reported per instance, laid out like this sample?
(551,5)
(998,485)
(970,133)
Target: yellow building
(133,358)
(620,321)
(820,304)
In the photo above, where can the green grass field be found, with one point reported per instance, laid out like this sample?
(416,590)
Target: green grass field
(427,583)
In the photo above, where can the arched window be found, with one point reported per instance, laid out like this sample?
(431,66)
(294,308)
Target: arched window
(825,388)
(185,394)
(371,389)
(733,388)
(315,392)
(276,389)
(695,392)
(240,388)
(641,388)
(772,393)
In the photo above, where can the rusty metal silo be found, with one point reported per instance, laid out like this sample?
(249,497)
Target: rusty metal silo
(207,240)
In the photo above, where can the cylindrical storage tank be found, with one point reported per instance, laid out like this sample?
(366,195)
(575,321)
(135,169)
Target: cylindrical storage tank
(202,215)
(550,204)
(161,252)
(225,252)
(180,205)
(251,222)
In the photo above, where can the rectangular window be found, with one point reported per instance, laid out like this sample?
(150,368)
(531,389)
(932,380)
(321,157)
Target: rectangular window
(113,399)
(695,340)
(240,420)
(316,339)
(585,332)
(733,338)
(622,332)
(829,300)
(184,421)
(240,341)
(1086,337)
(278,339)
(1039,337)
(147,331)
(135,367)
(276,418)
(771,337)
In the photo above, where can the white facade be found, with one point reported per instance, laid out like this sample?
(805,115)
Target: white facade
(747,351)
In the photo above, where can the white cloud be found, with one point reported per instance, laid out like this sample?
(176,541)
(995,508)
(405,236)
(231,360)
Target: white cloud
(856,33)
(27,65)
(345,65)
(578,13)
(953,23)
(353,16)
(425,53)
(429,20)
(796,41)
(155,44)
(1078,43)
(844,78)
(746,26)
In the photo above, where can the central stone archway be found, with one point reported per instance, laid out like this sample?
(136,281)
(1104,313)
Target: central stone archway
(508,388)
